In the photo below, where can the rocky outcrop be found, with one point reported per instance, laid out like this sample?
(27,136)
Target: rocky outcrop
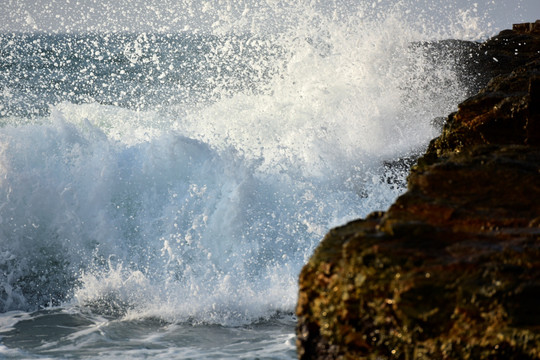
(452,269)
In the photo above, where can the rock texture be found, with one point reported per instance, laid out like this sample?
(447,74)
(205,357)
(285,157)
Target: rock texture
(452,269)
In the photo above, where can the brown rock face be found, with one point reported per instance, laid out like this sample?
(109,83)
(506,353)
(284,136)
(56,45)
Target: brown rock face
(527,28)
(452,269)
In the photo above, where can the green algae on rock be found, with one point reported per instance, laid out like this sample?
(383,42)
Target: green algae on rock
(452,269)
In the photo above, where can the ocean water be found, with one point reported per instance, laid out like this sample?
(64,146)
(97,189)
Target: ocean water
(160,191)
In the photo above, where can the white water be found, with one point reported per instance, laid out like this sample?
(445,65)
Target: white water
(204,212)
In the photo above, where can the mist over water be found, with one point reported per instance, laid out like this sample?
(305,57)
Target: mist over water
(187,177)
(171,16)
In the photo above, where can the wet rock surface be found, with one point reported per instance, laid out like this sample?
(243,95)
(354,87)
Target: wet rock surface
(452,269)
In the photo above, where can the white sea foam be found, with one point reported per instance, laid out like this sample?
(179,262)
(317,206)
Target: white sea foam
(205,213)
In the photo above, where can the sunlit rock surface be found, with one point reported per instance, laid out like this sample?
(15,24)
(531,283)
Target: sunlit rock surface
(452,269)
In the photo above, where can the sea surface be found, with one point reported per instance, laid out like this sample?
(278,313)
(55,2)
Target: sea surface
(160,192)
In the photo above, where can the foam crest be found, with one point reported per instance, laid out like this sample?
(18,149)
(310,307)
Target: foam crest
(352,92)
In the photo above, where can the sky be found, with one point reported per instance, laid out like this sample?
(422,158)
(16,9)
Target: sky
(179,15)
